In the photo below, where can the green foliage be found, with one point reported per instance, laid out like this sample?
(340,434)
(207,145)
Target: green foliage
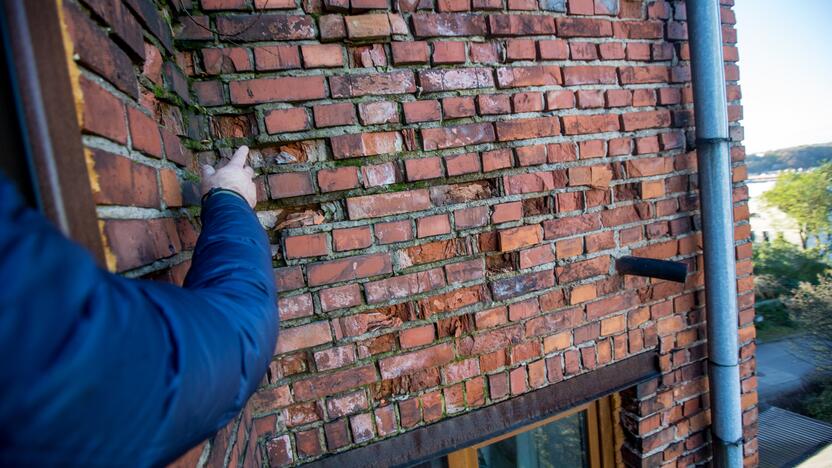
(780,267)
(818,404)
(811,306)
(800,157)
(805,197)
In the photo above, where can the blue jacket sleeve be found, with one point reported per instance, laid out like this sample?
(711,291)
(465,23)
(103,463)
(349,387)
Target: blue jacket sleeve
(99,369)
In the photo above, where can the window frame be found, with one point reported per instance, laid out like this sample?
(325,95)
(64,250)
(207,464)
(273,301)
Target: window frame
(603,440)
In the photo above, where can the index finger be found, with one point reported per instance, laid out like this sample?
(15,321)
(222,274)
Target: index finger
(240,157)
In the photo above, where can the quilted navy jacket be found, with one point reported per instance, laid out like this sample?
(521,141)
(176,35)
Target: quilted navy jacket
(98,369)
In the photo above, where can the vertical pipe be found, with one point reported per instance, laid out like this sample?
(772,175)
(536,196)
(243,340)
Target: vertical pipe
(715,193)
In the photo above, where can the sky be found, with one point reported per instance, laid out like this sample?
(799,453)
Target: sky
(785,72)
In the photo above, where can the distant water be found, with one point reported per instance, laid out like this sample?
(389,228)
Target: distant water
(766,220)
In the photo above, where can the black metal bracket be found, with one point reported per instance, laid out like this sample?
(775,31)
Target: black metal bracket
(652,268)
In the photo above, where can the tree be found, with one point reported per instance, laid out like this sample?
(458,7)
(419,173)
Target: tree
(805,197)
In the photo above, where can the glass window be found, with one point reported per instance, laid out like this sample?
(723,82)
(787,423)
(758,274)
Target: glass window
(581,437)
(559,443)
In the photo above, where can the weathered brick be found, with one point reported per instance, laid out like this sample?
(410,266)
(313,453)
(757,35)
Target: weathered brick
(347,269)
(288,89)
(462,135)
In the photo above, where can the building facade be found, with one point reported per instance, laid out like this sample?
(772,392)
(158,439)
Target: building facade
(447,185)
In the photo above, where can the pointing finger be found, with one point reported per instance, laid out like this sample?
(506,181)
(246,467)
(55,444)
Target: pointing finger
(240,157)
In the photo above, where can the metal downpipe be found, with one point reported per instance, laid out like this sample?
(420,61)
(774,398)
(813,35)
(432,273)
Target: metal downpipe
(716,197)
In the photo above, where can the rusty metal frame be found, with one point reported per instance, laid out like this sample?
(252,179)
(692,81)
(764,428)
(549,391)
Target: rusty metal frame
(429,442)
(46,112)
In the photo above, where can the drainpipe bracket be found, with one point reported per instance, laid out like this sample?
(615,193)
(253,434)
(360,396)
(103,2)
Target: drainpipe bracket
(711,141)
(717,364)
(737,443)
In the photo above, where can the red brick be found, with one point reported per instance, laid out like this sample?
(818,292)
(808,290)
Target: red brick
(570,248)
(446,52)
(520,49)
(640,120)
(484,52)
(583,51)
(385,420)
(466,163)
(464,271)
(397,82)
(279,450)
(396,231)
(404,364)
(520,129)
(279,57)
(492,104)
(553,49)
(527,102)
(532,155)
(365,144)
(417,336)
(286,120)
(290,184)
(644,98)
(421,111)
(289,88)
(103,113)
(611,51)
(521,25)
(512,211)
(340,297)
(581,7)
(342,178)
(95,50)
(496,159)
(384,204)
(529,183)
(295,307)
(448,24)
(516,238)
(308,245)
(433,225)
(462,135)
(250,27)
(370,26)
(331,115)
(453,5)
(583,27)
(347,269)
(378,112)
(583,124)
(519,77)
(410,53)
(590,98)
(471,217)
(123,182)
(560,99)
(404,285)
(322,385)
(456,107)
(449,79)
(352,238)
(304,336)
(583,75)
(322,55)
(639,29)
(139,242)
(226,60)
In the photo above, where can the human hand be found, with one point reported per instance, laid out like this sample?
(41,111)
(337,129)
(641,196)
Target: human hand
(236,176)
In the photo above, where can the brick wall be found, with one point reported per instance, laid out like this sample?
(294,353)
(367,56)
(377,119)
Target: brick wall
(446,185)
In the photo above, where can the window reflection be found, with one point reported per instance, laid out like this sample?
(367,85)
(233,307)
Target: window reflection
(561,443)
